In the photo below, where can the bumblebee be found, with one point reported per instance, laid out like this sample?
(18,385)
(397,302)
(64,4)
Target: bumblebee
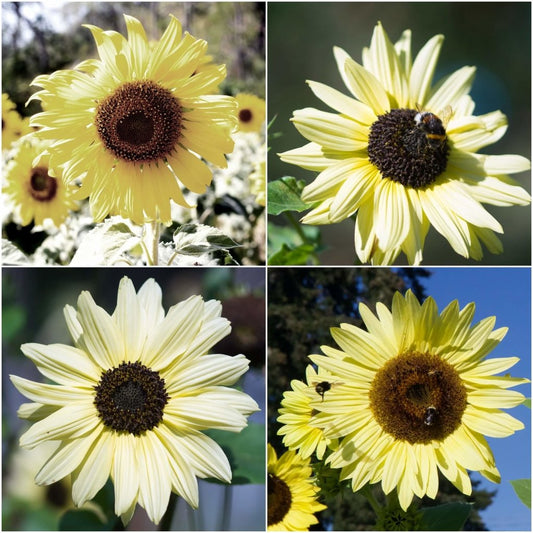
(432,127)
(430,416)
(322,387)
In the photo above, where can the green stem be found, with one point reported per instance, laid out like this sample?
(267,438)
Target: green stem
(166,521)
(366,491)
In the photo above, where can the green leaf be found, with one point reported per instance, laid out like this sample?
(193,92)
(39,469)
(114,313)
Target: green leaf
(300,255)
(527,402)
(446,517)
(522,487)
(285,195)
(84,520)
(197,239)
(245,451)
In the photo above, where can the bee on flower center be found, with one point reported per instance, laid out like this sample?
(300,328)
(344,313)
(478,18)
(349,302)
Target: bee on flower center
(430,416)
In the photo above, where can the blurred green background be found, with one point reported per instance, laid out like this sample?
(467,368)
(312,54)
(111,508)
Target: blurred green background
(32,311)
(493,36)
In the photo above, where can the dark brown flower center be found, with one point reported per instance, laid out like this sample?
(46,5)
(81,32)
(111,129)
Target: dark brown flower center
(140,122)
(409,147)
(42,187)
(131,398)
(418,397)
(279,499)
(245,115)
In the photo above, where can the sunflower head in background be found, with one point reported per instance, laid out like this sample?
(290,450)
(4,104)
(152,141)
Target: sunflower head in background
(292,493)
(400,153)
(36,191)
(135,124)
(13,125)
(251,112)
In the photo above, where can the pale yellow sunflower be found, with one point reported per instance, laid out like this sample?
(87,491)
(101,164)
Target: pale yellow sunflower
(13,125)
(131,398)
(296,414)
(138,122)
(401,154)
(36,191)
(292,493)
(415,396)
(251,113)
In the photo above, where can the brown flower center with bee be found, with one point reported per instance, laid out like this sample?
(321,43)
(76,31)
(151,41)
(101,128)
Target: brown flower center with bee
(279,499)
(140,122)
(409,147)
(42,187)
(418,397)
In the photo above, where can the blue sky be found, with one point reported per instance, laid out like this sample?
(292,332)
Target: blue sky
(506,294)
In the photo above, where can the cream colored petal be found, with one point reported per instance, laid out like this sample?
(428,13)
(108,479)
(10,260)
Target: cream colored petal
(312,156)
(93,473)
(495,398)
(328,182)
(493,127)
(413,245)
(71,421)
(391,214)
(74,326)
(423,71)
(198,413)
(202,454)
(100,334)
(66,458)
(451,88)
(491,422)
(130,319)
(190,170)
(367,87)
(359,344)
(330,130)
(125,472)
(138,44)
(109,44)
(490,367)
(50,394)
(319,215)
(34,412)
(182,477)
(63,364)
(343,104)
(505,164)
(211,369)
(464,450)
(212,331)
(150,297)
(454,229)
(379,331)
(355,191)
(395,464)
(386,66)
(364,237)
(154,476)
(342,369)
(403,50)
(169,342)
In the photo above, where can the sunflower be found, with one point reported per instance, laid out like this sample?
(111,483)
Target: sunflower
(137,122)
(13,126)
(296,414)
(291,493)
(401,155)
(132,398)
(416,395)
(33,188)
(251,113)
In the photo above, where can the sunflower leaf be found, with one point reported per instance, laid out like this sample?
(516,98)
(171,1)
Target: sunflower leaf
(446,517)
(195,239)
(285,195)
(522,487)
